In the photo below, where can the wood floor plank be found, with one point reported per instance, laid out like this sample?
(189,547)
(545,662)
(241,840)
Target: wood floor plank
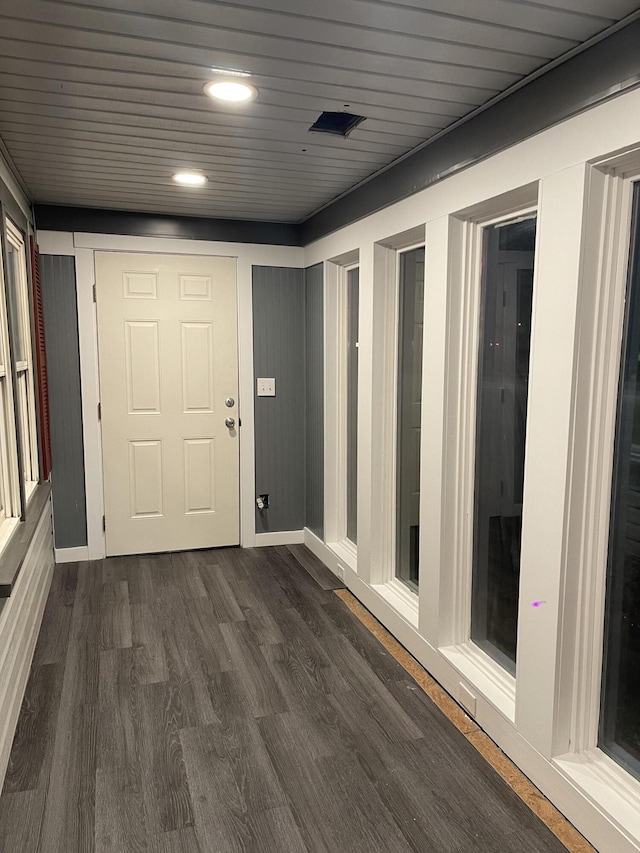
(337,620)
(258,617)
(120,817)
(224,607)
(421,802)
(186,676)
(179,841)
(32,750)
(88,594)
(53,639)
(116,616)
(64,584)
(207,638)
(119,720)
(316,568)
(69,817)
(313,799)
(258,685)
(299,587)
(307,646)
(362,823)
(51,646)
(186,568)
(299,683)
(21,816)
(165,787)
(148,647)
(276,829)
(146,633)
(231,780)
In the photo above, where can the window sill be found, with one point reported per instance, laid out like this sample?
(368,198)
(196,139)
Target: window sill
(346,552)
(606,784)
(496,684)
(401,598)
(19,539)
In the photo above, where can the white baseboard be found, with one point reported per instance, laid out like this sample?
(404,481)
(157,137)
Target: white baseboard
(280,537)
(20,622)
(71,555)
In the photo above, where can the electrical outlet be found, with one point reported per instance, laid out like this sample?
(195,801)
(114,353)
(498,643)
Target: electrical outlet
(340,571)
(266,387)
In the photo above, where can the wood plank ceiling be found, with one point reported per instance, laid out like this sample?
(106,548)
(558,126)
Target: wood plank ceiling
(101,101)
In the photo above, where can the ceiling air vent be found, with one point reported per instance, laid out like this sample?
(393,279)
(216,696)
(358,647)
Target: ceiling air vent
(340,124)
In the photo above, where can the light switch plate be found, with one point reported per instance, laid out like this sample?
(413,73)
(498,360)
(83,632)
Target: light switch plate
(266,387)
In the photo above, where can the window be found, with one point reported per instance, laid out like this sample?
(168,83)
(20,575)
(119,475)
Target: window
(502,394)
(409,406)
(18,430)
(18,298)
(620,700)
(9,497)
(352,299)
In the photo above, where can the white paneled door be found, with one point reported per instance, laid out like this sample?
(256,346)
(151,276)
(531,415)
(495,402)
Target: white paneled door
(167,337)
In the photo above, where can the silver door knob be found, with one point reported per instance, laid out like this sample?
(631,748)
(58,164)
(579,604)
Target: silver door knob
(229,402)
(230,422)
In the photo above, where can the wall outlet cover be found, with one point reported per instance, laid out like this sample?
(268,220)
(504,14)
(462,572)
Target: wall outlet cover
(266,387)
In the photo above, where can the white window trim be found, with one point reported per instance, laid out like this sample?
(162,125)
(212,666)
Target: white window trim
(26,366)
(607,238)
(336,273)
(10,469)
(448,575)
(384,395)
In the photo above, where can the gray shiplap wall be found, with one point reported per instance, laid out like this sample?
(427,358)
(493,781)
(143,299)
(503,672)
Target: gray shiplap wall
(314,386)
(279,352)
(63,364)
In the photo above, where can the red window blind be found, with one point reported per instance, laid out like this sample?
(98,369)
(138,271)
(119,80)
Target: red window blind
(42,384)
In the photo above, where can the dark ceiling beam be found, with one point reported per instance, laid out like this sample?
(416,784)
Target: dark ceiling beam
(63,218)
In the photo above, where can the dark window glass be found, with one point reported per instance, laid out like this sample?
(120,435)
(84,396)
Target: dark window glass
(411,312)
(503,376)
(17,307)
(620,702)
(353,279)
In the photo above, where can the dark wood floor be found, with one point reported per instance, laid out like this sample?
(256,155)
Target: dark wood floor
(225,701)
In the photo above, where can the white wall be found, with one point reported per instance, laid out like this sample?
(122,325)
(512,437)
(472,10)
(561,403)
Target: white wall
(20,620)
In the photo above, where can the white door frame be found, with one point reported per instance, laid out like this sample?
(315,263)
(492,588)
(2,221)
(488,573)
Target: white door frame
(82,247)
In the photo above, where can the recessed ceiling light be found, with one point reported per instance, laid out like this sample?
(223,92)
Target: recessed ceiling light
(232,91)
(190,179)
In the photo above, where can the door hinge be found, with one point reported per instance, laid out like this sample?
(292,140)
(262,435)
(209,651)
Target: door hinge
(99,411)
(95,293)
(104,524)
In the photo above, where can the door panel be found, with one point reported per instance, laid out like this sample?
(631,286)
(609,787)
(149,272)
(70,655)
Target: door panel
(167,333)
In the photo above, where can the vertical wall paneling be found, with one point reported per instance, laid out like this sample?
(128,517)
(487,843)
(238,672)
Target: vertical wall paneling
(314,383)
(61,325)
(278,352)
